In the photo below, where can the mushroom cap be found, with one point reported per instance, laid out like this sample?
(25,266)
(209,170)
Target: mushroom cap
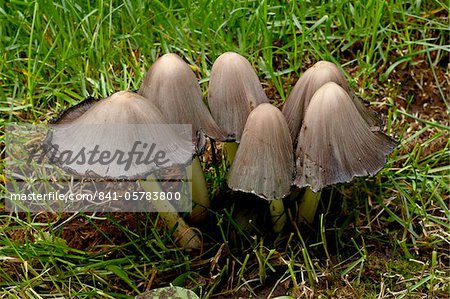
(335,143)
(115,124)
(264,161)
(234,91)
(297,103)
(172,86)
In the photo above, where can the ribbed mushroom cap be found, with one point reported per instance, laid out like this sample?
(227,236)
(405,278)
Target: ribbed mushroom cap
(264,161)
(114,124)
(234,91)
(335,143)
(171,85)
(320,73)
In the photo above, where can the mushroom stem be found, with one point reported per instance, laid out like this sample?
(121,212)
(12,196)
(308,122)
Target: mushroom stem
(308,205)
(184,235)
(230,149)
(200,195)
(277,214)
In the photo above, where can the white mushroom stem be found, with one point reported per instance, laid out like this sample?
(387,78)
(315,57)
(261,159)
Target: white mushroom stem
(184,235)
(200,195)
(230,149)
(277,214)
(308,205)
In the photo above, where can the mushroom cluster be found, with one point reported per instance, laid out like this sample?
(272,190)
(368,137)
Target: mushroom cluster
(333,139)
(324,135)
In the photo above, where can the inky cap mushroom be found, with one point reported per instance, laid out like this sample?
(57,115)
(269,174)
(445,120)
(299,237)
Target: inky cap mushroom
(171,85)
(297,103)
(234,91)
(114,125)
(264,161)
(336,143)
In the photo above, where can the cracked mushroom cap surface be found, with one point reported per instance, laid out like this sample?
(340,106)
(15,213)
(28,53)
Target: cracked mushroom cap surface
(171,85)
(315,77)
(234,91)
(114,125)
(264,161)
(336,143)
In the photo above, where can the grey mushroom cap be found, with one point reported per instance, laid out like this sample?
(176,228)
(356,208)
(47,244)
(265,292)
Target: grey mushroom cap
(264,162)
(114,125)
(172,86)
(298,100)
(234,91)
(335,143)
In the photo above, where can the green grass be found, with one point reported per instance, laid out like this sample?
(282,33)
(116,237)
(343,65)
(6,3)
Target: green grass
(386,236)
